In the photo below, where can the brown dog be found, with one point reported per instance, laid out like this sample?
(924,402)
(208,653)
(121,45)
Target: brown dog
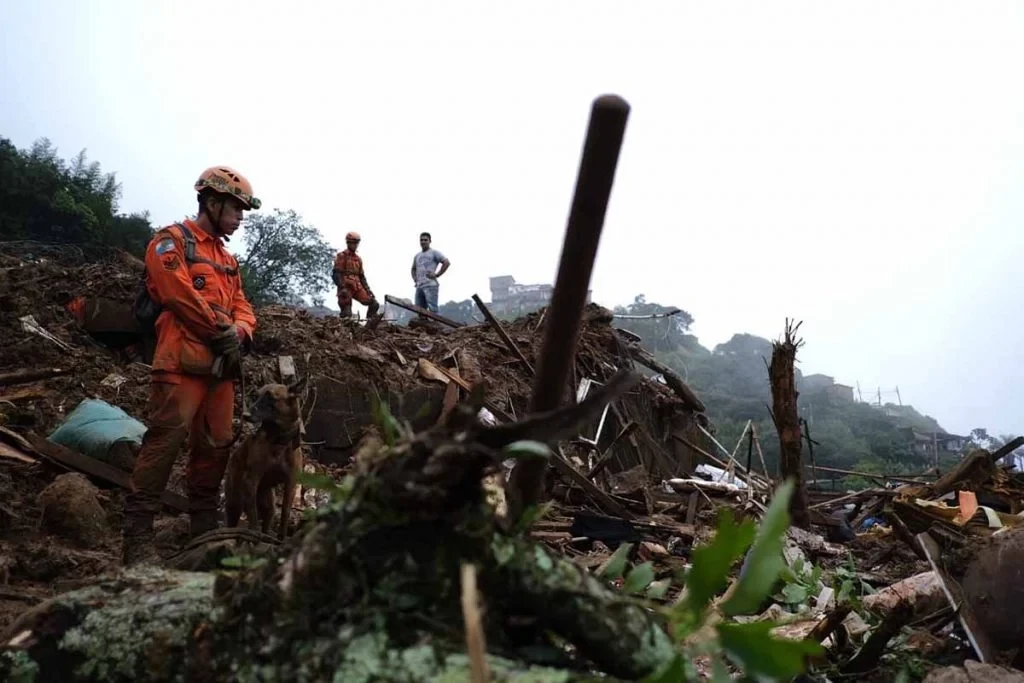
(269,457)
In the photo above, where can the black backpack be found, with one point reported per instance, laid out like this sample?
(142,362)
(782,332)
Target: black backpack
(145,310)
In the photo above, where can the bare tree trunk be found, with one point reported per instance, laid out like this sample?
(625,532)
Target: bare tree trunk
(787,420)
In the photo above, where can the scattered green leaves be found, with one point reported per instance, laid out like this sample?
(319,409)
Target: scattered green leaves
(752,647)
(764,562)
(382,417)
(616,565)
(795,594)
(710,571)
(638,578)
(658,589)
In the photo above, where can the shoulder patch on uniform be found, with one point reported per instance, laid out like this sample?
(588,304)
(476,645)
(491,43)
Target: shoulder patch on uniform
(165,245)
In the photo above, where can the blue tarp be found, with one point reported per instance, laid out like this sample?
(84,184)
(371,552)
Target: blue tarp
(94,426)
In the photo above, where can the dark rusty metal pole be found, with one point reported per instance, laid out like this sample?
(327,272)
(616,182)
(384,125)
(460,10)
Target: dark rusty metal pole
(601,148)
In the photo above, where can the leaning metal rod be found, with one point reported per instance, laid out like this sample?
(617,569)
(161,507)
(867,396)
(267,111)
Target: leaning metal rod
(594,181)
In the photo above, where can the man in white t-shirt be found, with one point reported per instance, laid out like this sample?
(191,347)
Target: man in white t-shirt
(425,273)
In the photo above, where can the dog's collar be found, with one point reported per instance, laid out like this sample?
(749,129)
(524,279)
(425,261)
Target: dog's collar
(281,437)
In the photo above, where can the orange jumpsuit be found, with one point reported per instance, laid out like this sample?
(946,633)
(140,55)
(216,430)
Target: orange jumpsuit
(351,281)
(186,401)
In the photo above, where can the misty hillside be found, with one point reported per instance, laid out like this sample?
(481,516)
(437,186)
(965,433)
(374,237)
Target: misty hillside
(732,380)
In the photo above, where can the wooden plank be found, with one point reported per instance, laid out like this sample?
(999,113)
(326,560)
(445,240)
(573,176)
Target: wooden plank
(286,368)
(954,594)
(422,311)
(494,322)
(451,397)
(490,405)
(576,477)
(30,375)
(94,468)
(691,509)
(1007,448)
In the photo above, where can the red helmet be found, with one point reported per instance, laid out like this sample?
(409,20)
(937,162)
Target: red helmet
(353,237)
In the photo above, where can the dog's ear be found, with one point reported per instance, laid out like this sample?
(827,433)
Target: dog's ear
(298,387)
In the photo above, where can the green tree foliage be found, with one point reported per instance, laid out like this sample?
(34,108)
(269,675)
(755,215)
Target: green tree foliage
(658,334)
(285,259)
(46,199)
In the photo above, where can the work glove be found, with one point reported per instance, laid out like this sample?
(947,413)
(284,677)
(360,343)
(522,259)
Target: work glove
(227,341)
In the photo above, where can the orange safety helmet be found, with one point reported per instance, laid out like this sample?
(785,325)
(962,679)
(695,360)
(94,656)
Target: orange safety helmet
(226,180)
(353,237)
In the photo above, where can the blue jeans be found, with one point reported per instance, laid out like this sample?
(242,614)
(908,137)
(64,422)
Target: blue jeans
(426,297)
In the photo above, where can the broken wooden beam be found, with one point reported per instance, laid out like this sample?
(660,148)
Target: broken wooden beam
(94,468)
(440,373)
(606,457)
(496,324)
(604,500)
(954,594)
(1007,448)
(594,181)
(422,311)
(30,375)
(672,378)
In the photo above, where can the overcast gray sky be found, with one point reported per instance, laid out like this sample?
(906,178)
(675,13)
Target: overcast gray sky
(859,166)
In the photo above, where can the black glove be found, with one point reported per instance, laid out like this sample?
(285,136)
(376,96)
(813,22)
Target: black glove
(225,342)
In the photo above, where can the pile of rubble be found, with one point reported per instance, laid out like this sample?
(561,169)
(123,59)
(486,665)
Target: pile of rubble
(889,580)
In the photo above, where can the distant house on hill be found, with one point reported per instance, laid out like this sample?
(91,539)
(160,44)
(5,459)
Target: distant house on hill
(510,299)
(815,383)
(926,443)
(841,392)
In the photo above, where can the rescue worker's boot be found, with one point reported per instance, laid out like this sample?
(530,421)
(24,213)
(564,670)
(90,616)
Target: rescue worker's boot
(137,540)
(372,308)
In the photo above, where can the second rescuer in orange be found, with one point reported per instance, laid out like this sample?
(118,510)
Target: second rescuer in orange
(204,324)
(350,278)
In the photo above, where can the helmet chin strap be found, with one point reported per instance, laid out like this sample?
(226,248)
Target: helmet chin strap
(216,223)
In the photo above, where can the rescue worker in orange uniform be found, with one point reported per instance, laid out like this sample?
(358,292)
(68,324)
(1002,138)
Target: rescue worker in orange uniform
(202,329)
(350,278)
